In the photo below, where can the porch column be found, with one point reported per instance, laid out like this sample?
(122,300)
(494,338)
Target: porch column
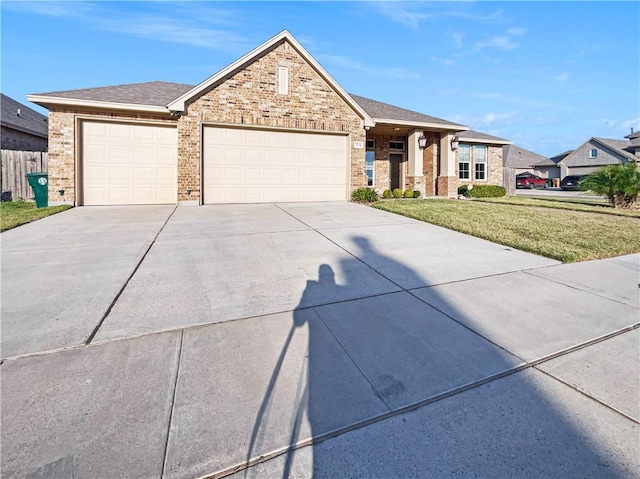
(415,175)
(447,180)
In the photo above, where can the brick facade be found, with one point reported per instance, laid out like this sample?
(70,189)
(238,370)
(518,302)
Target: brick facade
(382,174)
(249,97)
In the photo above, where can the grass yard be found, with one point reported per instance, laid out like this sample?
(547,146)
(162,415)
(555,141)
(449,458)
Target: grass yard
(16,213)
(574,204)
(562,234)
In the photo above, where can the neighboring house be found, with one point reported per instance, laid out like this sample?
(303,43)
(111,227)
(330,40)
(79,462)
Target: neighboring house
(596,153)
(21,127)
(524,161)
(272,126)
(549,168)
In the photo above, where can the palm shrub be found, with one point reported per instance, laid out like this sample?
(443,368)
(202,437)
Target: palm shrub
(619,183)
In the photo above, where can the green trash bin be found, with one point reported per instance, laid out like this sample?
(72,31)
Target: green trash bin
(40,184)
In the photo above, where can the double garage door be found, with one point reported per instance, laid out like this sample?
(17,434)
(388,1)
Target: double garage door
(258,166)
(126,163)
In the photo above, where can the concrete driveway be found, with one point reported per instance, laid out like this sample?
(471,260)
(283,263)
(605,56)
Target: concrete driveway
(309,340)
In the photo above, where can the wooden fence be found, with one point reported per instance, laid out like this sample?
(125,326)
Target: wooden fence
(509,180)
(15,166)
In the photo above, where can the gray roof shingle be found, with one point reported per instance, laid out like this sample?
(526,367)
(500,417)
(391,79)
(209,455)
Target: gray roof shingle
(29,121)
(378,110)
(155,93)
(517,157)
(477,135)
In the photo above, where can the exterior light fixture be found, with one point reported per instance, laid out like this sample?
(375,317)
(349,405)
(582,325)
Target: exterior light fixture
(454,143)
(422,142)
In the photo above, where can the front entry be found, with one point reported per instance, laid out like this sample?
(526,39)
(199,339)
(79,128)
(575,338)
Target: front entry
(395,165)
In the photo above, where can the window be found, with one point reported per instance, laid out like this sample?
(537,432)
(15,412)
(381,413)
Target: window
(369,166)
(480,162)
(371,144)
(593,153)
(396,145)
(464,162)
(283,80)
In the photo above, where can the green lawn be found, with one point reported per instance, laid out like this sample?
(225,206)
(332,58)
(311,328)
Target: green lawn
(16,213)
(575,204)
(562,234)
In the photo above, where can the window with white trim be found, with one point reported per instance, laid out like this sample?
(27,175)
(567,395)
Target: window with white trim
(593,153)
(464,162)
(480,162)
(396,145)
(369,166)
(283,80)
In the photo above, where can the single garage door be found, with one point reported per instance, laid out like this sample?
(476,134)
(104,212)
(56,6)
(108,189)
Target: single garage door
(128,164)
(258,166)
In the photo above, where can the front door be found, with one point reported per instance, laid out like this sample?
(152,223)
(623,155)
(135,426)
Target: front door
(395,164)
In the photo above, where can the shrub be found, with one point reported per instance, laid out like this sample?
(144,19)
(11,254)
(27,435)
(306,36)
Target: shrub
(386,194)
(364,195)
(619,183)
(463,190)
(397,193)
(416,193)
(487,191)
(408,194)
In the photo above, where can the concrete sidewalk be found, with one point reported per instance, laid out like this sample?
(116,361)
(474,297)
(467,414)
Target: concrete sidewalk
(309,340)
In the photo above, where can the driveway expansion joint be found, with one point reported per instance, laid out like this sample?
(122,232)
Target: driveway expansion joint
(126,283)
(173,405)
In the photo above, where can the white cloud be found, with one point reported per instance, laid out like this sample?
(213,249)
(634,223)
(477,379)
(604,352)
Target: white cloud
(499,42)
(490,118)
(405,13)
(443,61)
(563,76)
(458,38)
(350,64)
(162,21)
(634,123)
(516,31)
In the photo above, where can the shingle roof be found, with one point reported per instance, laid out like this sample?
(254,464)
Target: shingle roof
(155,93)
(517,157)
(622,146)
(29,121)
(477,135)
(378,110)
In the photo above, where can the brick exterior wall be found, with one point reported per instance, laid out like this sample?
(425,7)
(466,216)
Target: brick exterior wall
(249,97)
(11,139)
(430,163)
(63,148)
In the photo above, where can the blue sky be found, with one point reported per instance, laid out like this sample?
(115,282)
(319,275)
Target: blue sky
(546,75)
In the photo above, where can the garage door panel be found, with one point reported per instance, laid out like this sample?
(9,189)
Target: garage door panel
(128,163)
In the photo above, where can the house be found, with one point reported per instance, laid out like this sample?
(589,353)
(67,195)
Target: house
(596,153)
(524,161)
(272,126)
(21,128)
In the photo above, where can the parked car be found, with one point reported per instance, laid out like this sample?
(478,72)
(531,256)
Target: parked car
(571,182)
(529,180)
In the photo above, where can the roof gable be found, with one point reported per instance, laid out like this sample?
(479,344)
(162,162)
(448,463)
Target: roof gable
(180,103)
(614,154)
(20,117)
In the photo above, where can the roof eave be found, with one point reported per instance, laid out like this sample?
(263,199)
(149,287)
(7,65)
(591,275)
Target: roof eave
(180,103)
(47,101)
(24,130)
(419,124)
(485,141)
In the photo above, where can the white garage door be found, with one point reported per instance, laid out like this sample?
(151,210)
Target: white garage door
(128,164)
(257,166)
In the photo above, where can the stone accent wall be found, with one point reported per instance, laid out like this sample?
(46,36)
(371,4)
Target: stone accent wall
(249,97)
(383,166)
(11,139)
(63,148)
